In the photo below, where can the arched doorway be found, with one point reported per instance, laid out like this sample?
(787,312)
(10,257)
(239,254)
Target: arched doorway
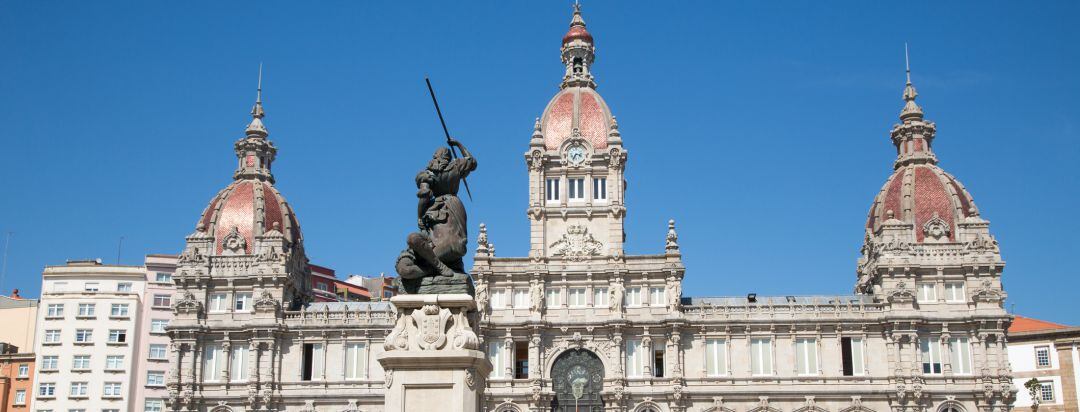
(577,378)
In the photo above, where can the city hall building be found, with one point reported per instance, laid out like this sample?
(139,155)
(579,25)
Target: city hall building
(578,325)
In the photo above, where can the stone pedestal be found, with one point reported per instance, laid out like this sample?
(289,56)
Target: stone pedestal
(432,358)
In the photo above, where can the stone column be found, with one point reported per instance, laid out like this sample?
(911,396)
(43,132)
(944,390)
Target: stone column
(1068,372)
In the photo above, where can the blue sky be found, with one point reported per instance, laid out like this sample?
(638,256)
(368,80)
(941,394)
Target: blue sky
(761,127)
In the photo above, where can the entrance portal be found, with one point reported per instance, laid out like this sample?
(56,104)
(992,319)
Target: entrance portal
(577,378)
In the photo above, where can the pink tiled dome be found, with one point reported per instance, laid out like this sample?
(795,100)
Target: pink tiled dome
(917,194)
(253,208)
(576,108)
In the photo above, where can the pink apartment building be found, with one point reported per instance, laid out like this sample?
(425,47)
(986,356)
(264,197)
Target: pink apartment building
(151,365)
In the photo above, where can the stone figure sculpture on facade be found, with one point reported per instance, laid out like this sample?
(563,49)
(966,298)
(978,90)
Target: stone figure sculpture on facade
(433,263)
(536,292)
(615,297)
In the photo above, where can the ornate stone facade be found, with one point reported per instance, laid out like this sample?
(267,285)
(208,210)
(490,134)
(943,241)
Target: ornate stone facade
(579,325)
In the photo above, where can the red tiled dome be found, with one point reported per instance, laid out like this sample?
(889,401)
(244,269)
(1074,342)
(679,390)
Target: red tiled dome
(918,193)
(577,33)
(253,208)
(576,108)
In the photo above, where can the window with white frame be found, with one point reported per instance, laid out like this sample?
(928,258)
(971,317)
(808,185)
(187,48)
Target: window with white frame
(633,297)
(930,349)
(162,300)
(162,277)
(635,359)
(91,287)
(154,405)
(1046,391)
(155,378)
(552,190)
(54,310)
(84,335)
(498,299)
(52,336)
(47,389)
(158,325)
(761,356)
(86,310)
(852,351)
(576,297)
(599,188)
(806,356)
(927,292)
(24,371)
(242,302)
(50,363)
(117,336)
(954,292)
(656,296)
(497,357)
(114,362)
(211,370)
(112,389)
(123,287)
(20,397)
(576,189)
(355,360)
(960,355)
(716,357)
(600,297)
(238,369)
(157,351)
(314,361)
(217,302)
(554,298)
(80,362)
(521,298)
(1042,356)
(79,389)
(119,310)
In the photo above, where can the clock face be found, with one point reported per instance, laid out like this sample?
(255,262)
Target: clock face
(576,154)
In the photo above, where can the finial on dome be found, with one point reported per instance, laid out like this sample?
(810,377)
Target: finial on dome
(577,20)
(256,127)
(911,109)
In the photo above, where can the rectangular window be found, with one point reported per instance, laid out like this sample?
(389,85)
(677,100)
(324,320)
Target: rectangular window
(634,359)
(243,302)
(211,370)
(1042,356)
(80,362)
(960,355)
(656,296)
(114,362)
(552,190)
(852,352)
(930,348)
(119,310)
(521,298)
(157,351)
(521,360)
(599,188)
(123,287)
(761,356)
(79,389)
(806,356)
(554,298)
(52,336)
(112,389)
(154,405)
(162,301)
(927,292)
(217,302)
(658,359)
(84,335)
(313,362)
(1046,391)
(576,297)
(90,287)
(47,389)
(239,359)
(117,336)
(576,189)
(155,378)
(24,371)
(20,397)
(50,363)
(355,360)
(600,297)
(498,299)
(162,277)
(954,292)
(633,297)
(54,310)
(158,325)
(716,357)
(86,310)
(497,358)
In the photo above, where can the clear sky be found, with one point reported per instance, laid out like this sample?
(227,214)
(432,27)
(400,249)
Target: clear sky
(761,127)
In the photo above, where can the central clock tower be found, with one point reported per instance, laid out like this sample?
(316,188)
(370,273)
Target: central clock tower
(576,163)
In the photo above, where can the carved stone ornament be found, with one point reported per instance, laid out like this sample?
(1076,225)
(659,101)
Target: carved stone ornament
(432,327)
(536,160)
(470,377)
(388,380)
(902,294)
(576,244)
(936,230)
(187,304)
(988,293)
(983,242)
(191,255)
(234,243)
(352,407)
(309,406)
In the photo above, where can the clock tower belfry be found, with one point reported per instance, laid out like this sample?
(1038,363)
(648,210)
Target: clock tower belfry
(576,162)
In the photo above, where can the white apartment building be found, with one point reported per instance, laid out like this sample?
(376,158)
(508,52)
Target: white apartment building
(87,325)
(1047,352)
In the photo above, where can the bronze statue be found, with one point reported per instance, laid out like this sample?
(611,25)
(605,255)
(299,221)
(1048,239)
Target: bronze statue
(433,262)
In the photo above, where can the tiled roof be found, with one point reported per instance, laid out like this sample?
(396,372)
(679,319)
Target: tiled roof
(1023,324)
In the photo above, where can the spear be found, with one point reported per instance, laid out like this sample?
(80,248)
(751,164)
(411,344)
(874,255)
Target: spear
(453,151)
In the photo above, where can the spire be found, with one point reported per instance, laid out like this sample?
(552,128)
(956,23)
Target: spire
(911,109)
(256,127)
(255,151)
(578,52)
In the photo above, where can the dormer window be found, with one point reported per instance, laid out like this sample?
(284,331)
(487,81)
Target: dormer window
(552,190)
(577,189)
(599,188)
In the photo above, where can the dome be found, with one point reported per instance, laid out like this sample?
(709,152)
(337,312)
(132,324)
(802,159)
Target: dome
(577,33)
(922,195)
(251,208)
(579,108)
